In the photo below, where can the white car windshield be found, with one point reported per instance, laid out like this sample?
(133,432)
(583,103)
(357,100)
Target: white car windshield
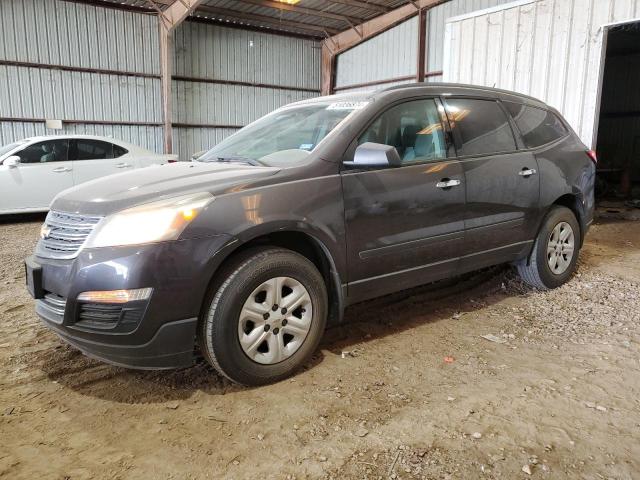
(284,137)
(7,148)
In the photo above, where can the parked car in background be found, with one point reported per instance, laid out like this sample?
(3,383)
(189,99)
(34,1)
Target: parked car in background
(249,252)
(36,169)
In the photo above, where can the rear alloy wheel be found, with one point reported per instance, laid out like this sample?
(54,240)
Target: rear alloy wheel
(264,317)
(555,251)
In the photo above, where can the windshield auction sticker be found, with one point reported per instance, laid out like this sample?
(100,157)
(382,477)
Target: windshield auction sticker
(347,105)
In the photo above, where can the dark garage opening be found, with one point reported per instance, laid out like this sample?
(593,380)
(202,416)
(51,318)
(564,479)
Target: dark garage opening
(618,140)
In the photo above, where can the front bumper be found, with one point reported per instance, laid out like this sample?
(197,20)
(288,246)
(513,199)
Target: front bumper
(151,334)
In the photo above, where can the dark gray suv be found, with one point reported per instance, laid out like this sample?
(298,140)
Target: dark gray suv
(248,253)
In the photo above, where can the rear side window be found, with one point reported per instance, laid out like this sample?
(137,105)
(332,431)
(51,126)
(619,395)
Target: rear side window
(538,126)
(86,149)
(119,151)
(482,126)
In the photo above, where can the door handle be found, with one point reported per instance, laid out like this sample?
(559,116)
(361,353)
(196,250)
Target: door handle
(527,172)
(123,165)
(61,169)
(446,183)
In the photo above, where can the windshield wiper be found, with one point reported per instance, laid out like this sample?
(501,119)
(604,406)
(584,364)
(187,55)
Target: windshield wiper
(239,159)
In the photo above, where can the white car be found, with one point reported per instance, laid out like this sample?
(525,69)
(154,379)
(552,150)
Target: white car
(36,169)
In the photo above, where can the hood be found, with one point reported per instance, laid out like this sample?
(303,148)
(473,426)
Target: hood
(117,192)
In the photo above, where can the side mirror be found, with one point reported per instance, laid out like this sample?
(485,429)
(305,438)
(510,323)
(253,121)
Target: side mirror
(371,154)
(12,162)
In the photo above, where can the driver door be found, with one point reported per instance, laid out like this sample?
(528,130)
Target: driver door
(43,172)
(404,226)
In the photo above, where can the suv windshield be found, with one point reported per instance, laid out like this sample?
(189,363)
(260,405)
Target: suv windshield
(284,137)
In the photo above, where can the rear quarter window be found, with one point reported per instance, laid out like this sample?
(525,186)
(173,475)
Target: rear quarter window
(537,125)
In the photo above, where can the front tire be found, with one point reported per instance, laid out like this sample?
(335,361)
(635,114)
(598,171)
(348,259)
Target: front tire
(265,316)
(555,251)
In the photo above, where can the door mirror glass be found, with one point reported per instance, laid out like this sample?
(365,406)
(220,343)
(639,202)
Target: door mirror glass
(12,161)
(371,154)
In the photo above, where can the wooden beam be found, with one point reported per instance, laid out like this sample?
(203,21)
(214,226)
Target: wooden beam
(303,10)
(350,38)
(374,7)
(422,44)
(179,10)
(168,21)
(327,70)
(272,21)
(166,50)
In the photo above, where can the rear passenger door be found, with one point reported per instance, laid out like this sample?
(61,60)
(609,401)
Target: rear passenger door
(96,158)
(502,183)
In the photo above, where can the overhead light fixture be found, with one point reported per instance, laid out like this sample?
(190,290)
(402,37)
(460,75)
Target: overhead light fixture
(288,2)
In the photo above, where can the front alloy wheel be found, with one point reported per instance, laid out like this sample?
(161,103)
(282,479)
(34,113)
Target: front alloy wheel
(264,317)
(275,320)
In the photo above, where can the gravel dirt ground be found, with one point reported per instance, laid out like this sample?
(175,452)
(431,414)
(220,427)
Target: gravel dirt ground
(480,377)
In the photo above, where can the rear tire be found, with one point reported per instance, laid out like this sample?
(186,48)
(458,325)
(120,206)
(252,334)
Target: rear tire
(265,316)
(555,251)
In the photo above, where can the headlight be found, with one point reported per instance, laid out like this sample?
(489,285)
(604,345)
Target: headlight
(148,223)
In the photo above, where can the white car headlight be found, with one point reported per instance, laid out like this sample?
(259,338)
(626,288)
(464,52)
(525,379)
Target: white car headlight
(148,223)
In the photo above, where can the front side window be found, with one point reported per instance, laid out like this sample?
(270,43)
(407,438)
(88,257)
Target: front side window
(538,126)
(481,125)
(284,137)
(87,149)
(414,128)
(45,152)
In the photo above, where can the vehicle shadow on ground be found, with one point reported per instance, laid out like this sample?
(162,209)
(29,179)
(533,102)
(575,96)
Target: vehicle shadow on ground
(364,322)
(22,218)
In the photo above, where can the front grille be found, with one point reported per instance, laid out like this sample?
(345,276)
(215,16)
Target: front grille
(103,316)
(64,234)
(52,307)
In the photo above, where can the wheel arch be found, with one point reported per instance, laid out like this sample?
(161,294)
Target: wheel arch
(573,202)
(301,242)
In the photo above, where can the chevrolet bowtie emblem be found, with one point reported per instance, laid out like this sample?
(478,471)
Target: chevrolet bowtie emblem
(45,231)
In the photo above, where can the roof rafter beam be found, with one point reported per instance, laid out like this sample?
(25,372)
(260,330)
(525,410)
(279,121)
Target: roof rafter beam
(303,10)
(350,38)
(336,44)
(178,11)
(264,19)
(374,7)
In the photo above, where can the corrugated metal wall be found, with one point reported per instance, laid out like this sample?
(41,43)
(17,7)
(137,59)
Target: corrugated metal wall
(207,56)
(98,68)
(550,49)
(391,54)
(436,21)
(63,36)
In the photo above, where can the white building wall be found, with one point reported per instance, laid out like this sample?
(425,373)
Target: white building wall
(550,49)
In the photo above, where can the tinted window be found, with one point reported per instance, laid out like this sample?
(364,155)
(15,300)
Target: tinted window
(49,151)
(538,126)
(118,151)
(414,128)
(481,125)
(85,149)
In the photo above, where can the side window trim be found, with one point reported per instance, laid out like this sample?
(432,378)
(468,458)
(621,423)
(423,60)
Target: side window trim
(348,156)
(456,133)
